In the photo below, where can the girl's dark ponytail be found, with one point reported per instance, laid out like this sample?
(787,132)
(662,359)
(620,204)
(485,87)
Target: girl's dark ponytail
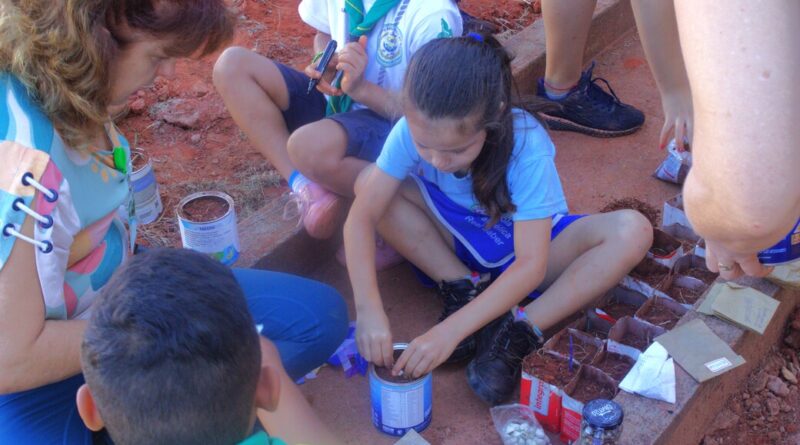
(465,76)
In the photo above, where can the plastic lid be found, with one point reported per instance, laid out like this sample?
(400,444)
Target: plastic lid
(602,413)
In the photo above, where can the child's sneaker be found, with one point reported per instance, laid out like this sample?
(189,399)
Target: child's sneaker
(319,210)
(501,346)
(385,255)
(455,295)
(588,109)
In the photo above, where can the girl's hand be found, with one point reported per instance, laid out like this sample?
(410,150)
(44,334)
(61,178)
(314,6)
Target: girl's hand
(324,85)
(353,61)
(426,352)
(677,120)
(374,338)
(732,265)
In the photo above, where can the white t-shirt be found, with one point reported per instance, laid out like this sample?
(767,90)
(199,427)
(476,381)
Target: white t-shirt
(394,39)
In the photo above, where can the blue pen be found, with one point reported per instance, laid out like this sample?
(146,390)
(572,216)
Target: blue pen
(327,54)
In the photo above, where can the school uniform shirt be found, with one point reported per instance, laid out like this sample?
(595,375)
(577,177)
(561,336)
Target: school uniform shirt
(394,39)
(87,237)
(532,178)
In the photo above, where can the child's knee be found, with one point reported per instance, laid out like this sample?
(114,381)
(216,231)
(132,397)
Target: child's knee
(633,227)
(315,156)
(230,64)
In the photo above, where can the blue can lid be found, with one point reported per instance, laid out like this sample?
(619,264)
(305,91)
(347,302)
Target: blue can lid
(602,413)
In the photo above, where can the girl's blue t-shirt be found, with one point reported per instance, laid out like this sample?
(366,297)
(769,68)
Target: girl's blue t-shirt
(532,177)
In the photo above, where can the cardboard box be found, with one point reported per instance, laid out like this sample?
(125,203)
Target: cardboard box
(572,406)
(644,333)
(543,392)
(617,295)
(634,282)
(658,302)
(666,249)
(582,345)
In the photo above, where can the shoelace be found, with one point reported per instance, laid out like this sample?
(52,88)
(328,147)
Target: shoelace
(597,92)
(45,221)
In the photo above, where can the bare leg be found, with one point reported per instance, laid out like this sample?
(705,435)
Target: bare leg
(588,258)
(658,30)
(318,151)
(255,94)
(566,27)
(411,229)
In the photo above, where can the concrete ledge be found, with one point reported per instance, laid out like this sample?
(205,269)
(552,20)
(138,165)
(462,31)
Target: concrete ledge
(652,422)
(268,241)
(612,20)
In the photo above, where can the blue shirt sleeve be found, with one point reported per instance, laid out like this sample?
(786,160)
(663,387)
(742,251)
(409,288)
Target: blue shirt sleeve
(533,180)
(399,156)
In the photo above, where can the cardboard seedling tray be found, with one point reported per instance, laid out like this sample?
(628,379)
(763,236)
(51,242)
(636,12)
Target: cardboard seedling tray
(666,249)
(615,364)
(619,302)
(695,266)
(631,336)
(686,291)
(591,383)
(648,278)
(661,312)
(584,346)
(544,377)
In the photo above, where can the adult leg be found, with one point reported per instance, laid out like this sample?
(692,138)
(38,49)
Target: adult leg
(307,320)
(589,257)
(566,28)
(46,415)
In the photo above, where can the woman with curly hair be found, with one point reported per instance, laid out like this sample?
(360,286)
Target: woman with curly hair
(64,175)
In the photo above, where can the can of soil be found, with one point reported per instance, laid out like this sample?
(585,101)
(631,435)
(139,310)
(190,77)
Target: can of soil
(786,251)
(207,223)
(399,404)
(145,188)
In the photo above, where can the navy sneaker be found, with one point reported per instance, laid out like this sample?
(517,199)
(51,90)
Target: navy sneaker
(501,346)
(589,109)
(455,295)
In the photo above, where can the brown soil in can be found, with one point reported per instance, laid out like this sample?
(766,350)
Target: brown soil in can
(615,365)
(706,276)
(205,209)
(549,369)
(663,244)
(650,272)
(650,212)
(581,352)
(587,390)
(660,315)
(636,341)
(685,295)
(618,309)
(386,373)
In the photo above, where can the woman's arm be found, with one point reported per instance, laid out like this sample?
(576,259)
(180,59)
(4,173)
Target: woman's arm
(524,275)
(743,191)
(33,351)
(374,192)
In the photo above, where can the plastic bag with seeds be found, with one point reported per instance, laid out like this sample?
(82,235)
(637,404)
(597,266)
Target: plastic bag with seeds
(517,425)
(676,166)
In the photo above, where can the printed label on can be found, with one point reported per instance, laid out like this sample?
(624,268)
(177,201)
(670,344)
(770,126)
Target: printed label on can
(398,408)
(218,238)
(146,198)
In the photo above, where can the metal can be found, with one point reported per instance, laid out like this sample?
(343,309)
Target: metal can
(207,222)
(398,407)
(786,251)
(146,198)
(601,423)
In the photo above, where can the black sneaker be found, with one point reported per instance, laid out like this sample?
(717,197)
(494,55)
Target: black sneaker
(588,109)
(502,345)
(455,295)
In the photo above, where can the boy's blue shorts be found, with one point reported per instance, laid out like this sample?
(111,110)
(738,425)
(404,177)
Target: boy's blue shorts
(366,130)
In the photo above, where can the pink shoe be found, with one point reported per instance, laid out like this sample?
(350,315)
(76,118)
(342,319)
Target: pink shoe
(385,255)
(319,210)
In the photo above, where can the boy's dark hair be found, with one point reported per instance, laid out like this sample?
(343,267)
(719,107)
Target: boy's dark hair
(171,354)
(463,76)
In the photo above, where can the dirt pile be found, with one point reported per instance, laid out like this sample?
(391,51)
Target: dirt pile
(767,410)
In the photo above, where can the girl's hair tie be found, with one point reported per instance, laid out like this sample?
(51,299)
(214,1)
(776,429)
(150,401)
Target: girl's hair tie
(475,36)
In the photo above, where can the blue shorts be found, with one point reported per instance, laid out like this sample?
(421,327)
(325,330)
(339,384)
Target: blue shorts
(366,130)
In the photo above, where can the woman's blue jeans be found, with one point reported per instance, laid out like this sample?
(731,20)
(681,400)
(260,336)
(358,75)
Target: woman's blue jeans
(306,320)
